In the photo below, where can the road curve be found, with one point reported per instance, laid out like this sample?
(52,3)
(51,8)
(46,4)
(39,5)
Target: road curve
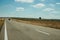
(22,31)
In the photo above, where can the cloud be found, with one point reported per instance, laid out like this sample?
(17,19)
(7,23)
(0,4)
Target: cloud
(57,3)
(19,9)
(54,12)
(25,1)
(48,9)
(42,0)
(40,5)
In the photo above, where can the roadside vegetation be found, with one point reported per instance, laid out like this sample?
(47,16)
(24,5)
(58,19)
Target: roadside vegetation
(52,23)
(1,23)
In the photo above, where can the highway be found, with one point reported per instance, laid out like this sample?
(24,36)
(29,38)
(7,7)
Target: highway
(22,31)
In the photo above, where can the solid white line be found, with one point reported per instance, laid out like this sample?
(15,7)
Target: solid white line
(43,32)
(6,37)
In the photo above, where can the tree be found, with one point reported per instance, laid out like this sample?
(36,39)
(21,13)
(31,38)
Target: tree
(39,17)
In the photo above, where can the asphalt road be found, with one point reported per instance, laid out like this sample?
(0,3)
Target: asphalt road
(22,31)
(2,33)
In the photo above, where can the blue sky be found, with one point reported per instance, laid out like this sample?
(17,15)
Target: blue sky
(49,9)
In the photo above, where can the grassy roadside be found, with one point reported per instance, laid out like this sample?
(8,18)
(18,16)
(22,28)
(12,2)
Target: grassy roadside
(45,23)
(1,23)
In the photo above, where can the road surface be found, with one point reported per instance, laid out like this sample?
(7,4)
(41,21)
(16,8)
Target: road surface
(22,31)
(2,33)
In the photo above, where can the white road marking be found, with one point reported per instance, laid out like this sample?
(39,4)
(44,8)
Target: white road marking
(6,36)
(42,32)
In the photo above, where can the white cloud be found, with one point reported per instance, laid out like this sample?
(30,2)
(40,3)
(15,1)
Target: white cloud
(19,9)
(57,3)
(49,9)
(54,12)
(25,1)
(40,5)
(42,0)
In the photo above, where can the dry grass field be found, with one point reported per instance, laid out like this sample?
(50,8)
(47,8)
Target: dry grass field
(1,23)
(45,23)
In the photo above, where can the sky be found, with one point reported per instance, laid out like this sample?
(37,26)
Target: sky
(49,9)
